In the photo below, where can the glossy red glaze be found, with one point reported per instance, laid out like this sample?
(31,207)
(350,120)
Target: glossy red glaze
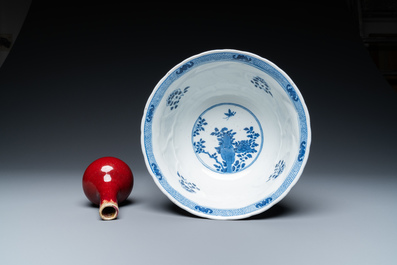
(106,182)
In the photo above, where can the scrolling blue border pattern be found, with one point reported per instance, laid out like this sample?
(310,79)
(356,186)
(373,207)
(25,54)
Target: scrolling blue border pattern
(253,62)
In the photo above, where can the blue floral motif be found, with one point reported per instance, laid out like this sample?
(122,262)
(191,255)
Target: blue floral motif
(156,171)
(199,146)
(233,154)
(184,67)
(278,169)
(189,186)
(263,203)
(302,151)
(292,93)
(261,84)
(203,209)
(241,58)
(199,126)
(175,96)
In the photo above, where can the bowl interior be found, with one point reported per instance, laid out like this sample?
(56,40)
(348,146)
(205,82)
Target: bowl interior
(225,134)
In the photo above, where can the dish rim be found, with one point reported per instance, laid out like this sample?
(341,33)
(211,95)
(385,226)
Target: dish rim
(264,204)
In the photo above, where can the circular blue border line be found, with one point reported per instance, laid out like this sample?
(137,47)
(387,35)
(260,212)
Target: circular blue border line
(209,57)
(257,121)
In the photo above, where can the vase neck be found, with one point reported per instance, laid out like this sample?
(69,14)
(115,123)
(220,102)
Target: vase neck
(108,208)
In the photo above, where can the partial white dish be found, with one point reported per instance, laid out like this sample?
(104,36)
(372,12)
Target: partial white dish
(225,134)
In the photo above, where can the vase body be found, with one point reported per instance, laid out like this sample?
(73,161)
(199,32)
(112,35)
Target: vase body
(107,182)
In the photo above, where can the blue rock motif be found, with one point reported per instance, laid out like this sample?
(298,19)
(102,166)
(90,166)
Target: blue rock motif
(225,148)
(233,154)
(227,138)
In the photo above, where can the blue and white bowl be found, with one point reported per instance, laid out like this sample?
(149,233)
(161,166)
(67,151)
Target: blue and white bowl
(225,134)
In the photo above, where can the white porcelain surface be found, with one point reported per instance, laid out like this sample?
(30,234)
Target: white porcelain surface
(225,134)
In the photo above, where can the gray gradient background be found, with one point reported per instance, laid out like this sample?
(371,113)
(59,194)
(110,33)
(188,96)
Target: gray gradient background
(74,87)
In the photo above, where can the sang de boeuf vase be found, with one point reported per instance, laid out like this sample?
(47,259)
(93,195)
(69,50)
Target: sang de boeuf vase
(107,182)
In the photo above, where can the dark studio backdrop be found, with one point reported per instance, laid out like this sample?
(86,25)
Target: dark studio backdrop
(78,77)
(74,87)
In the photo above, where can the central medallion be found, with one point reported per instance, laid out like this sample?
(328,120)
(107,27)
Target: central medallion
(227,138)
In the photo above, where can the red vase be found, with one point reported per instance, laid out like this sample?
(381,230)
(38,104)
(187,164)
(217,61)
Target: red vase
(107,182)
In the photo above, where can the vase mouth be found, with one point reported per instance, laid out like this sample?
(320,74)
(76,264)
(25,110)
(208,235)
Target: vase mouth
(108,210)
